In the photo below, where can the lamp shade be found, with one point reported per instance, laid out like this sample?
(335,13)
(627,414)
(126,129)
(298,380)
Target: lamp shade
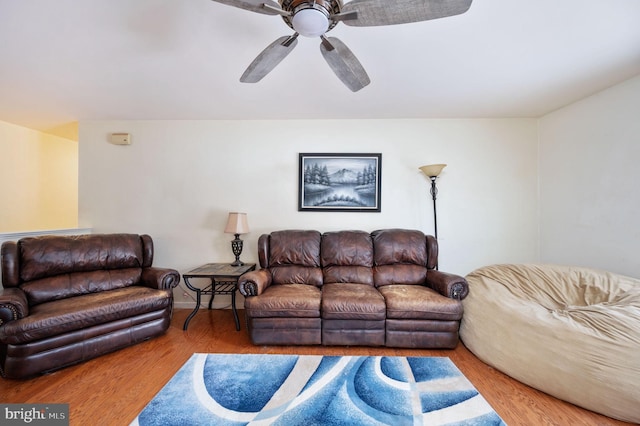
(237,223)
(432,170)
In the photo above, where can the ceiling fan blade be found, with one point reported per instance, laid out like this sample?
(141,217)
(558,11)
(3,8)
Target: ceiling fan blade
(372,13)
(268,7)
(267,60)
(344,63)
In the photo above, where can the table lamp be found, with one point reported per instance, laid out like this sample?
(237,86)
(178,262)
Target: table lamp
(237,224)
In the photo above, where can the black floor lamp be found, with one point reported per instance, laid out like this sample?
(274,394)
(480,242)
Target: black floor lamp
(432,171)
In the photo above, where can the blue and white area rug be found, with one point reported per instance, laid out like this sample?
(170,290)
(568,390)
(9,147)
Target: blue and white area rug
(310,390)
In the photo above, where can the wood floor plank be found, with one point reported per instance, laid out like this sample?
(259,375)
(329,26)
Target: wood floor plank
(113,389)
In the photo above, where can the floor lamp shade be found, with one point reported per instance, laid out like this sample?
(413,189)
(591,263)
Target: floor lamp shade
(237,224)
(432,170)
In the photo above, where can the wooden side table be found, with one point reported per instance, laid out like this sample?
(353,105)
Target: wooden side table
(224,280)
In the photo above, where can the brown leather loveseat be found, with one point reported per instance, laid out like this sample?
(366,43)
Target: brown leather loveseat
(67,299)
(352,288)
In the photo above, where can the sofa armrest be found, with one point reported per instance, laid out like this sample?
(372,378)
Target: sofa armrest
(160,278)
(450,285)
(253,283)
(13,304)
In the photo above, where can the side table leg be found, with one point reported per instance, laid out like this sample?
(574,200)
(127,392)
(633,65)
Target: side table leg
(195,310)
(233,307)
(213,292)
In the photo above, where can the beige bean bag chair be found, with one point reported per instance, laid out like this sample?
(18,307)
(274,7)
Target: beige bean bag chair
(571,332)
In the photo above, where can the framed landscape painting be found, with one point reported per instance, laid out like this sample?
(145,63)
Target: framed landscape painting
(339,182)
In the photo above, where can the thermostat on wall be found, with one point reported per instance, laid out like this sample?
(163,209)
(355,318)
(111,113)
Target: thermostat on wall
(120,139)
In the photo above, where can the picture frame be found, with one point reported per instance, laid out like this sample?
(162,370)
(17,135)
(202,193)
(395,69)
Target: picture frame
(334,182)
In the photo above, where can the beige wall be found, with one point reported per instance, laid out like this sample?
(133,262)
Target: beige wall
(561,189)
(589,174)
(178,180)
(39,175)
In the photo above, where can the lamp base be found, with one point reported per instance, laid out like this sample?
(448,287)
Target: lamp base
(236,248)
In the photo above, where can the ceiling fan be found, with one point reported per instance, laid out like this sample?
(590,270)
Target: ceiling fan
(314,18)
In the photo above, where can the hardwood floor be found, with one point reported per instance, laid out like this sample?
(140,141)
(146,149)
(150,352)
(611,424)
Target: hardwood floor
(113,389)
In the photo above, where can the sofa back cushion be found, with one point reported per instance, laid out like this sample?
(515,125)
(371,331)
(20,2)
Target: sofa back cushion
(294,257)
(55,267)
(347,257)
(79,283)
(400,257)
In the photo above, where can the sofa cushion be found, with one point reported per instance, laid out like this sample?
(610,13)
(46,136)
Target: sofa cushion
(347,248)
(285,300)
(348,274)
(76,313)
(400,257)
(79,283)
(419,302)
(294,257)
(293,274)
(352,302)
(54,255)
(399,274)
(300,248)
(347,257)
(393,246)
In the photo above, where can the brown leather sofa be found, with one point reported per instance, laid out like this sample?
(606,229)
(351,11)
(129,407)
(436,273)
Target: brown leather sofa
(352,288)
(67,299)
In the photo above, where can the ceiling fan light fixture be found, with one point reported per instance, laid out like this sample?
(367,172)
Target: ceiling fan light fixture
(314,18)
(310,22)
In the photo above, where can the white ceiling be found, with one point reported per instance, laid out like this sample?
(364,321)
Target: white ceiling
(72,60)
